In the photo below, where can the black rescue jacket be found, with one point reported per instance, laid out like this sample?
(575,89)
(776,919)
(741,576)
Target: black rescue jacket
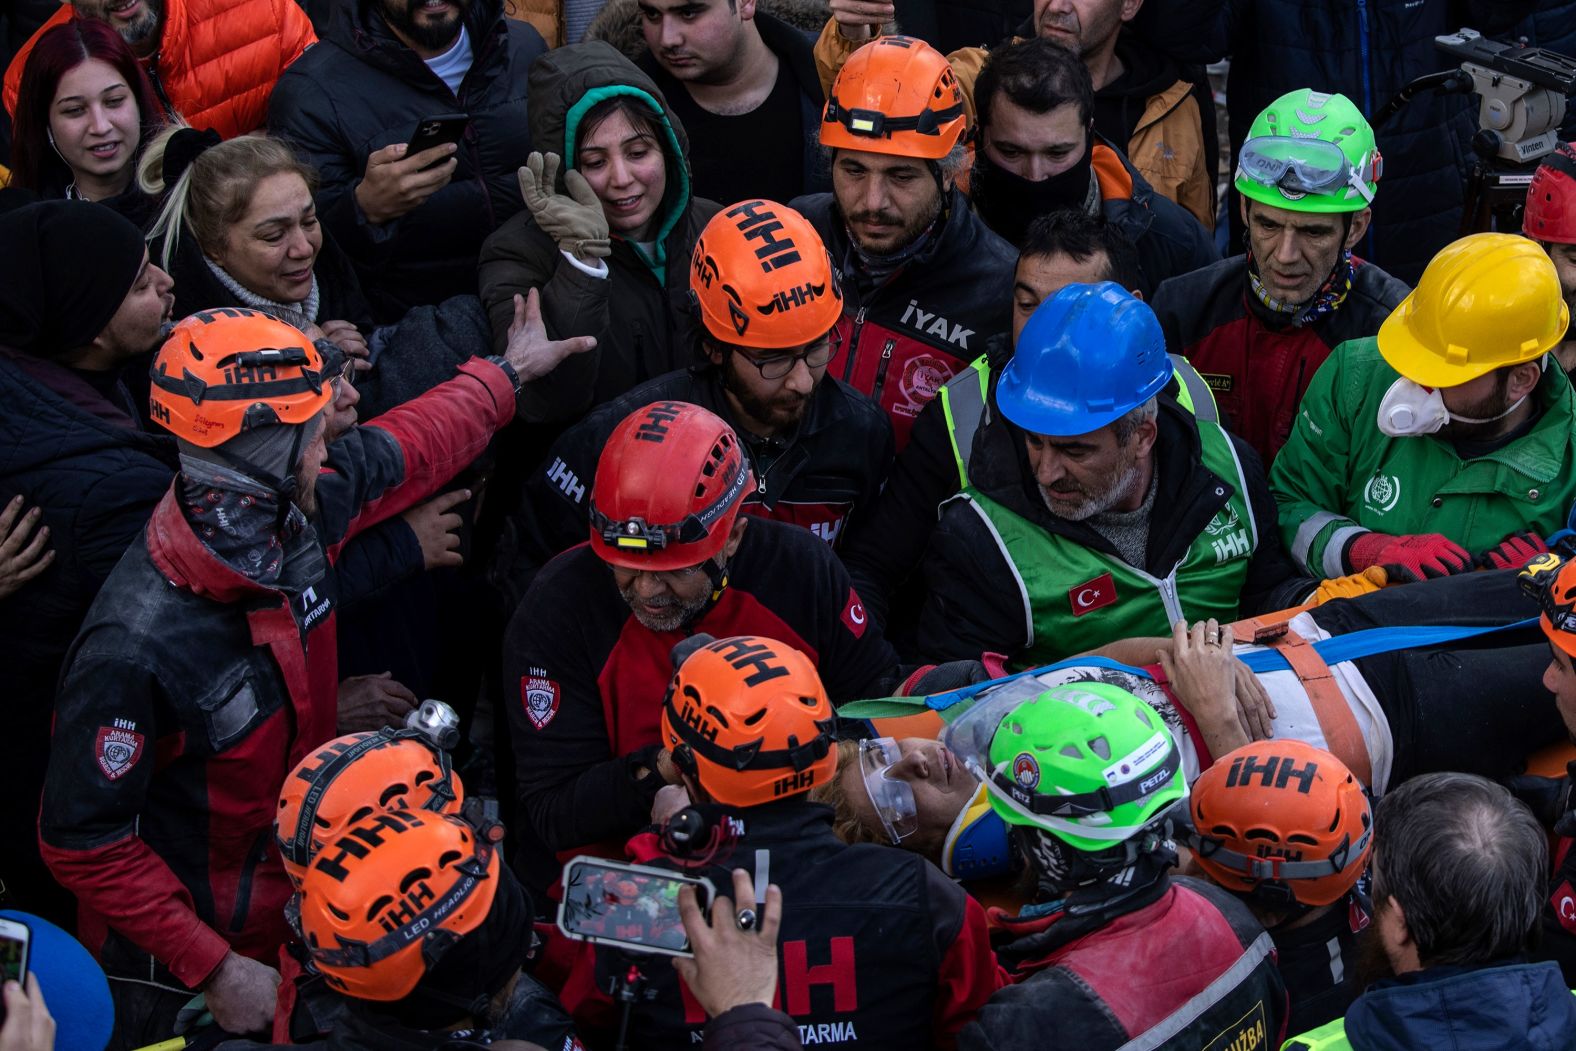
(360,89)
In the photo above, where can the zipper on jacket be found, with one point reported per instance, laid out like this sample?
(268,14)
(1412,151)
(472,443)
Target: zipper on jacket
(243,887)
(853,345)
(1368,91)
(158,88)
(1169,597)
(881,370)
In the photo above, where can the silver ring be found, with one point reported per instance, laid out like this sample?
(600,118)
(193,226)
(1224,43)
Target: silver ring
(745,919)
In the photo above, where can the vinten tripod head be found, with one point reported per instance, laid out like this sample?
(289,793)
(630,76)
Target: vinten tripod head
(1522,94)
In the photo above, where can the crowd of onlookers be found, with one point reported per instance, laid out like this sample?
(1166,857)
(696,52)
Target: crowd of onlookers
(858,455)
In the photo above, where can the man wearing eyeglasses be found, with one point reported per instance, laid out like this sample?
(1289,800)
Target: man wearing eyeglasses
(1257,326)
(768,301)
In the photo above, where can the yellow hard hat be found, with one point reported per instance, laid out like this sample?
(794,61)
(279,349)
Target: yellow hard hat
(1485,301)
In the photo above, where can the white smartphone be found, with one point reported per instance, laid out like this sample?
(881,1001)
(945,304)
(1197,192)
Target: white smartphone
(15,940)
(630,906)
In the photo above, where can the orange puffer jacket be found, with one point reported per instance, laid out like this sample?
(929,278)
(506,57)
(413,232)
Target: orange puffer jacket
(217,59)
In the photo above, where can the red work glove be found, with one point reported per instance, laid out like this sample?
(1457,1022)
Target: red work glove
(1425,554)
(1515,551)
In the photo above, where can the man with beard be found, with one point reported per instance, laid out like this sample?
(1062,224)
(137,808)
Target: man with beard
(212,63)
(1109,512)
(1039,153)
(413,223)
(586,657)
(208,666)
(925,282)
(1140,105)
(745,87)
(1550,220)
(818,448)
(1444,442)
(1259,325)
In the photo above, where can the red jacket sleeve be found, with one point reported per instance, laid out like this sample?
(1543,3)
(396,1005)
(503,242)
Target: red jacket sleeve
(400,458)
(969,972)
(88,820)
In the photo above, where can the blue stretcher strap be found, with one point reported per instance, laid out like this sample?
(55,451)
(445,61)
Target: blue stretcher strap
(942,701)
(1373,641)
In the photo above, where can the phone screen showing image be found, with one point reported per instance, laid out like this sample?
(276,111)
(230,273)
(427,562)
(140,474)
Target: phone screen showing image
(13,958)
(626,905)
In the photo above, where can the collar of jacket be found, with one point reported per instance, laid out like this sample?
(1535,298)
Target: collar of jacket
(173,39)
(1031,943)
(358,28)
(1510,1003)
(954,244)
(1185,489)
(187,564)
(791,821)
(70,388)
(1548,450)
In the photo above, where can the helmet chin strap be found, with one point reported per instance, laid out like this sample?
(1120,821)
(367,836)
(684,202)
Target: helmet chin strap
(287,486)
(717,574)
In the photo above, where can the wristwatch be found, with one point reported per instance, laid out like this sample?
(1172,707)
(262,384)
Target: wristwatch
(508,370)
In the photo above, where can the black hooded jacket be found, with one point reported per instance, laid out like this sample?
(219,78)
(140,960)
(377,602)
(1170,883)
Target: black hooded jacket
(640,312)
(360,89)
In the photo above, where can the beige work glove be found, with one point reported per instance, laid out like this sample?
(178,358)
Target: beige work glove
(575,221)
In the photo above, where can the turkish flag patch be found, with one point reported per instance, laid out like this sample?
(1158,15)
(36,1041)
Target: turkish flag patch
(540,696)
(1092,594)
(1564,902)
(118,748)
(855,619)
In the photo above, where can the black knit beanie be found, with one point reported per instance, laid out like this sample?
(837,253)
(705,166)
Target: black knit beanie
(69,265)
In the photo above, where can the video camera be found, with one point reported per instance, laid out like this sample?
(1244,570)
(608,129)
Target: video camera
(1523,93)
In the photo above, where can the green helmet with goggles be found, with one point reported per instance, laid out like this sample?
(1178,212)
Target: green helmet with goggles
(1087,762)
(1310,152)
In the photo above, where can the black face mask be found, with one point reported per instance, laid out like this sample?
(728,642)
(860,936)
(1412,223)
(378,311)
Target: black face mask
(1009,202)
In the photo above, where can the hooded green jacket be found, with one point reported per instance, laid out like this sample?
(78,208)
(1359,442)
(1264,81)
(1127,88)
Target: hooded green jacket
(640,313)
(1339,476)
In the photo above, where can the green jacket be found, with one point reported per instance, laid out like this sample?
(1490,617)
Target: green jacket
(1064,585)
(1339,475)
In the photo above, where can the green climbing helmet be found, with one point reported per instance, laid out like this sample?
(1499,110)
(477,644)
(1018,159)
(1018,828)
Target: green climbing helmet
(1310,152)
(1087,762)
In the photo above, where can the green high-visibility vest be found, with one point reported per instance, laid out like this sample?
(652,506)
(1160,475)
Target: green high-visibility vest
(964,397)
(1075,598)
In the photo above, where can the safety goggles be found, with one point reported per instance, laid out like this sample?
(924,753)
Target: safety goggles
(1306,166)
(892,799)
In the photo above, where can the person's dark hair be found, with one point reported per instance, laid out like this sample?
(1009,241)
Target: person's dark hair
(1466,861)
(1037,76)
(35,164)
(640,116)
(1080,236)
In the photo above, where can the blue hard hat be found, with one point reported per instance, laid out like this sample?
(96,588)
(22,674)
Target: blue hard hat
(1088,355)
(74,987)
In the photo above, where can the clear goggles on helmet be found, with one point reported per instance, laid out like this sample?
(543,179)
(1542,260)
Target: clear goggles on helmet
(1306,166)
(892,799)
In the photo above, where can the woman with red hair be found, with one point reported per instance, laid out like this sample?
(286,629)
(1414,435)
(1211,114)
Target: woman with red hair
(84,112)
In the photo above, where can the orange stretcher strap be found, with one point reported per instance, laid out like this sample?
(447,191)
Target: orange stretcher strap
(1330,707)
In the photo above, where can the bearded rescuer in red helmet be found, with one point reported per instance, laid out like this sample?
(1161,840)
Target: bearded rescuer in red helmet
(586,655)
(877,949)
(207,665)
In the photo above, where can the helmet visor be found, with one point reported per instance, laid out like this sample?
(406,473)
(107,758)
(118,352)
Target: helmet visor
(892,799)
(1300,165)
